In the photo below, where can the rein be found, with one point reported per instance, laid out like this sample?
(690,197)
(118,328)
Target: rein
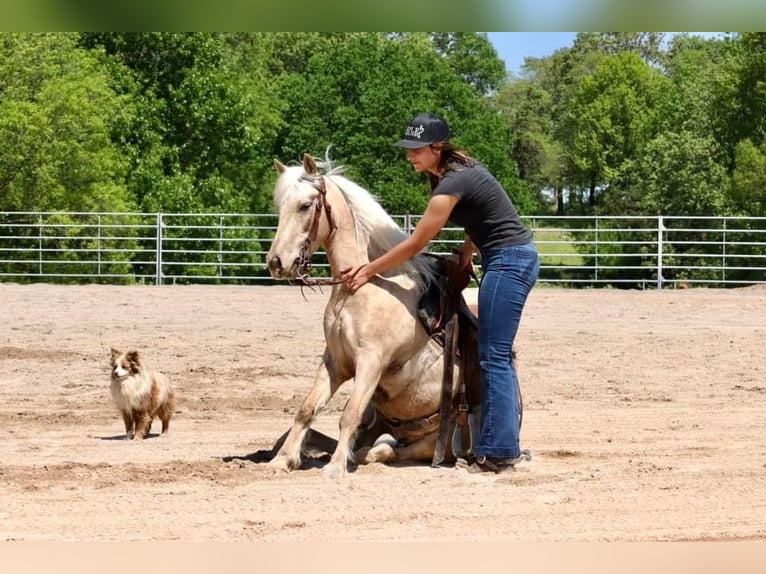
(304,256)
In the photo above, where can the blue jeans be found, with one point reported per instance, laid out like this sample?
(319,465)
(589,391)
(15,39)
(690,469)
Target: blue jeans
(509,273)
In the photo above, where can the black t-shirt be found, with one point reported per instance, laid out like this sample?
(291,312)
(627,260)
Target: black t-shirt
(483,209)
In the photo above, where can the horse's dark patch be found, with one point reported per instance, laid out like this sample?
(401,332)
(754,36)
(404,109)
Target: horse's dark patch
(380,395)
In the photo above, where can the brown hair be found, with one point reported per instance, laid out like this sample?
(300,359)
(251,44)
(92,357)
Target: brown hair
(451,156)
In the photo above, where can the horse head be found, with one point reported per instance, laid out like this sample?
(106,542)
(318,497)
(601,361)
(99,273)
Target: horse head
(323,207)
(305,218)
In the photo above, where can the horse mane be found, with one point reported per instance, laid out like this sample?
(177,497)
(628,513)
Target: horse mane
(372,224)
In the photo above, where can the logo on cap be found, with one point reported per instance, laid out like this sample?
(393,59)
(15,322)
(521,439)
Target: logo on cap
(424,129)
(414,132)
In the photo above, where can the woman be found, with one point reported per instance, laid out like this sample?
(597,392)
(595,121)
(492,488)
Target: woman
(465,193)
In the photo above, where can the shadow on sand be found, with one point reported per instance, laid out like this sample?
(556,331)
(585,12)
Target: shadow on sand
(316,452)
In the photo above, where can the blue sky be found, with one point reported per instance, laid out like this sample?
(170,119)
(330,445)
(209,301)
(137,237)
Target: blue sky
(513,47)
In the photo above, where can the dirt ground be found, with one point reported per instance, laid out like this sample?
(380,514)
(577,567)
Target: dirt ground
(644,412)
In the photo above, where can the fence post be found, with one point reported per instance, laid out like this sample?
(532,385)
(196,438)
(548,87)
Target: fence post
(158,258)
(40,246)
(407,223)
(100,245)
(596,261)
(220,248)
(723,252)
(660,228)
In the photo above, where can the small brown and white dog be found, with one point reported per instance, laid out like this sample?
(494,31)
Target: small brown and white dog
(140,394)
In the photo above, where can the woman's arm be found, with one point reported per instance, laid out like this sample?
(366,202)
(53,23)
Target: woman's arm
(436,215)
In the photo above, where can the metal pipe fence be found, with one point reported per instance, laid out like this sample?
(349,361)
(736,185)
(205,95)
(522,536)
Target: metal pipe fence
(171,248)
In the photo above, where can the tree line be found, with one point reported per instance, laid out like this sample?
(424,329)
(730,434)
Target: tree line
(620,123)
(616,124)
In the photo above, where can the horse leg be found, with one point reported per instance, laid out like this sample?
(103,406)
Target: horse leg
(289,455)
(315,443)
(385,450)
(365,382)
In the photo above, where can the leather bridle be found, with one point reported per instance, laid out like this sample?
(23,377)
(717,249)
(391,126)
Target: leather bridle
(304,255)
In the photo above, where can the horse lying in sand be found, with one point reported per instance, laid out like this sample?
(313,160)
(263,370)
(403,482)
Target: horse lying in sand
(373,336)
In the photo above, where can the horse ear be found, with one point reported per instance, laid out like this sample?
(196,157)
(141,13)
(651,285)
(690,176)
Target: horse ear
(279,165)
(309,165)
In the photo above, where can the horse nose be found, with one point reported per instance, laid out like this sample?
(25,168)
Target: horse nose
(275,264)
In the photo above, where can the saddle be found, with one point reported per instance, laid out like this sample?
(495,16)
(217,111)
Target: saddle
(450,322)
(444,297)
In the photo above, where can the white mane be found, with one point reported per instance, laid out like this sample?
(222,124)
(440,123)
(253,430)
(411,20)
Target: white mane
(373,225)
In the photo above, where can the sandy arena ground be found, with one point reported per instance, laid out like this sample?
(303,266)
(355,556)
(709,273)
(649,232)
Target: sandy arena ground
(644,411)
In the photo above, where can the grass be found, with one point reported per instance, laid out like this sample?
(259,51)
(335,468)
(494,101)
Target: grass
(556,247)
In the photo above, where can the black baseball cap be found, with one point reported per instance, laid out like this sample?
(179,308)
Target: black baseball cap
(423,130)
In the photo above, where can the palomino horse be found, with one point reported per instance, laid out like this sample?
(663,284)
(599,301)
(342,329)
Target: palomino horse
(373,336)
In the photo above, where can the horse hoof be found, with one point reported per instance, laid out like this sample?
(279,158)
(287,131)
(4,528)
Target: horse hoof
(334,472)
(382,452)
(283,463)
(361,456)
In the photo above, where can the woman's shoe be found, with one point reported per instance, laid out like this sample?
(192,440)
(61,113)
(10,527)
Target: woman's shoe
(492,463)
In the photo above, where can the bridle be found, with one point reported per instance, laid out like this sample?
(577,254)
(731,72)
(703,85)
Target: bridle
(304,255)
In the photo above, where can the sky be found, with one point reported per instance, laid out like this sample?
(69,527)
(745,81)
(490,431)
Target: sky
(513,47)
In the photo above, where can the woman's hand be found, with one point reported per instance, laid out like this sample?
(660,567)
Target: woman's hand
(466,263)
(355,277)
(466,255)
(436,215)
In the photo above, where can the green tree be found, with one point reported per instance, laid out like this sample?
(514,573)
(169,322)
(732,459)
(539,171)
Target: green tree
(677,175)
(750,122)
(204,125)
(359,92)
(747,190)
(526,107)
(536,108)
(57,113)
(647,45)
(610,118)
(472,57)
(747,197)
(700,96)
